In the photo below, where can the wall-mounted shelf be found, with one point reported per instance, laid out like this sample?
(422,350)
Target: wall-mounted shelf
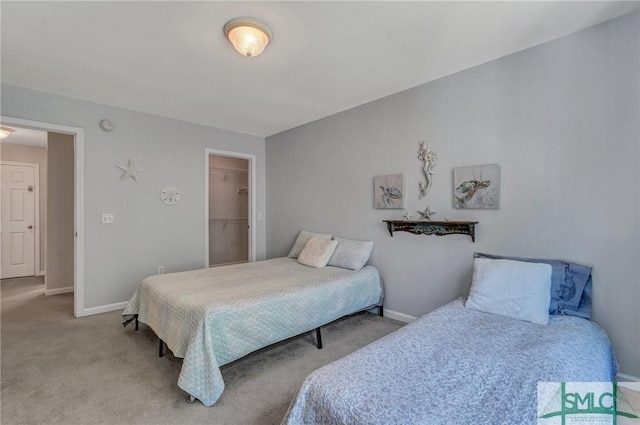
(438,228)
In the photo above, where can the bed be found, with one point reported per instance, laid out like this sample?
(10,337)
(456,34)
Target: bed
(211,317)
(459,365)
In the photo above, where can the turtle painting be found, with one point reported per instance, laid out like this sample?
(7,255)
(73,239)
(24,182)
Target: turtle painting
(388,191)
(467,190)
(390,195)
(476,187)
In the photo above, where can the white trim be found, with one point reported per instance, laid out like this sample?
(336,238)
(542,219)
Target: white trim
(252,202)
(623,377)
(399,316)
(41,273)
(36,209)
(58,291)
(36,206)
(78,214)
(105,308)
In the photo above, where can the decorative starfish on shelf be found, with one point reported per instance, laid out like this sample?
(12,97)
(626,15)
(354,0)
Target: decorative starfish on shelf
(427,213)
(408,216)
(130,170)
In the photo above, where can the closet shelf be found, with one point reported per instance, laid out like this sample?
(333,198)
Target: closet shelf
(225,221)
(226,171)
(232,170)
(438,228)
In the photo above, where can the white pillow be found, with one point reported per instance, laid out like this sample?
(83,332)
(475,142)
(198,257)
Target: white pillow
(317,252)
(301,240)
(515,289)
(351,254)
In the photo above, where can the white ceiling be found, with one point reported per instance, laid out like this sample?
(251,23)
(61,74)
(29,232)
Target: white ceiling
(171,58)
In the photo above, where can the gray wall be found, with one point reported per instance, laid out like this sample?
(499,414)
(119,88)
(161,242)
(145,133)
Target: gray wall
(34,155)
(146,232)
(60,154)
(561,119)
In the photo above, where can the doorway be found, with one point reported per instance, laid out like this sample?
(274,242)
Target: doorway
(64,152)
(37,206)
(229,200)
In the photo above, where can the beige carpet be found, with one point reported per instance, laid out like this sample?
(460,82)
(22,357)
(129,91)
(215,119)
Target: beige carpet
(57,369)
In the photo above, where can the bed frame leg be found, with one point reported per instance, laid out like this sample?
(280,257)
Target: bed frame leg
(319,338)
(380,311)
(126,322)
(161,348)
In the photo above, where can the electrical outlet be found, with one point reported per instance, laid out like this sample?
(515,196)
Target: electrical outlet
(107,218)
(160,269)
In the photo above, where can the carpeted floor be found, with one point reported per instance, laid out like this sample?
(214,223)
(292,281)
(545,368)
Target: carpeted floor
(57,369)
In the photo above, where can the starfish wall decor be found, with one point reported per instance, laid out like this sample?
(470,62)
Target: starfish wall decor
(427,213)
(130,170)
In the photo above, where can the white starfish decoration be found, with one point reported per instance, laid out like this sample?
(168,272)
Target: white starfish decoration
(427,213)
(408,216)
(130,170)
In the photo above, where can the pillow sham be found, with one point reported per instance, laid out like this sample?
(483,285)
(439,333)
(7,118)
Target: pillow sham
(571,285)
(515,289)
(351,254)
(317,252)
(301,240)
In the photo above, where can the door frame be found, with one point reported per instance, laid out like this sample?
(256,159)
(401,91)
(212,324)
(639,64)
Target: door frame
(252,199)
(78,197)
(36,212)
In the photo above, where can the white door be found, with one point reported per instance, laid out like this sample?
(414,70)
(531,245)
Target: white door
(17,220)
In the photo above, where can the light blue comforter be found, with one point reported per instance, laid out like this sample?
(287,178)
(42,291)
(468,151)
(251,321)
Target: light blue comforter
(454,366)
(211,317)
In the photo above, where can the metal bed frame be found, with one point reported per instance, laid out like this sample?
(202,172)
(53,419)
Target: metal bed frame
(161,343)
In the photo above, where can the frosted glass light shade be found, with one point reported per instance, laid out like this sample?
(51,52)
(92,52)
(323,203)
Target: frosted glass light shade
(5,132)
(248,36)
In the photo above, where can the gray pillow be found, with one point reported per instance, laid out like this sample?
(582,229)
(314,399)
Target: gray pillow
(351,254)
(571,285)
(301,240)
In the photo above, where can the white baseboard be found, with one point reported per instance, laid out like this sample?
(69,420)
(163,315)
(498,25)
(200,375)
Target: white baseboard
(623,377)
(58,291)
(399,316)
(103,309)
(40,273)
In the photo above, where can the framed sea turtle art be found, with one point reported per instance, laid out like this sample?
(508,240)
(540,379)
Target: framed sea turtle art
(477,186)
(388,191)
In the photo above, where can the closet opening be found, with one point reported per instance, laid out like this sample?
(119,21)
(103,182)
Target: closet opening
(229,209)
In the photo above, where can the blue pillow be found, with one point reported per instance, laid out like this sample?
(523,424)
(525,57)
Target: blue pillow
(571,285)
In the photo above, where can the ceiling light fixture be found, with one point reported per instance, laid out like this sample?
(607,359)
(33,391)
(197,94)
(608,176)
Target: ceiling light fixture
(5,132)
(248,36)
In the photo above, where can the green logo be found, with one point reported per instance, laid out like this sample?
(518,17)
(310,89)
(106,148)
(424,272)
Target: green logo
(582,403)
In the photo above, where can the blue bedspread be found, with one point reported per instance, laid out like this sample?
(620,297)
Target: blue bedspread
(211,317)
(454,366)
